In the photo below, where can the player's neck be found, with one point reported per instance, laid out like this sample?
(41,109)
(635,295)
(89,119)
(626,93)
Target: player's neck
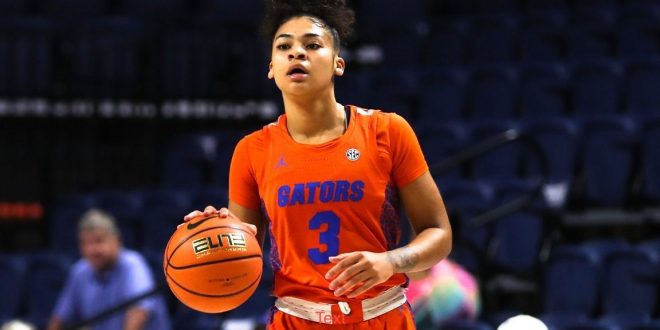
(314,121)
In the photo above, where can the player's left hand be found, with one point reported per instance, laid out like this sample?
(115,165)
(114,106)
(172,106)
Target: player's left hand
(355,273)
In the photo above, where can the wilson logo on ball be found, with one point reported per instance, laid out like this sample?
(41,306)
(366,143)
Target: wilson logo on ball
(223,242)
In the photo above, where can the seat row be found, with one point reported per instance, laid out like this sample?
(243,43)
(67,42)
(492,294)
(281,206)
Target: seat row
(123,57)
(612,281)
(587,162)
(601,160)
(146,218)
(581,88)
(31,282)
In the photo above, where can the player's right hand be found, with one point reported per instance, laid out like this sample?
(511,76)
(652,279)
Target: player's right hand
(222,213)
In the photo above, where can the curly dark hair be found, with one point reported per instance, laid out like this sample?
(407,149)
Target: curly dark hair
(332,15)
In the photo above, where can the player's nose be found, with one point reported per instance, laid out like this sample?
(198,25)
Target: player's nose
(297,53)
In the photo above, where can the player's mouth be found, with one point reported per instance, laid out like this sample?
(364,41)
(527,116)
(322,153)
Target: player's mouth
(297,72)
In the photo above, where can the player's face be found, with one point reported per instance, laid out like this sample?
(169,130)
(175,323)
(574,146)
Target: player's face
(99,247)
(304,59)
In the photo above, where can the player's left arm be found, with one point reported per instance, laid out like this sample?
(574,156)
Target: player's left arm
(356,272)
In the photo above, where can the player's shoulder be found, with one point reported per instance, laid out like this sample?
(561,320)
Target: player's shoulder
(264,135)
(381,120)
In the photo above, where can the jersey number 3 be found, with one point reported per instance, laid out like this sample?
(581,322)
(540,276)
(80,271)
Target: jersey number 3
(329,237)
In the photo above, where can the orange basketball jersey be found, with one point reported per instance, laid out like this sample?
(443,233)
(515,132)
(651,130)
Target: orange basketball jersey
(327,199)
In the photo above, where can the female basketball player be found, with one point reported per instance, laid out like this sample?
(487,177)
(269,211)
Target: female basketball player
(324,180)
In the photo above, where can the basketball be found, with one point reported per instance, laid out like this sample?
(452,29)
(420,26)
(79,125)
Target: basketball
(212,265)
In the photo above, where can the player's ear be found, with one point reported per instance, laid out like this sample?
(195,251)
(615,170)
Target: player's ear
(271,75)
(340,66)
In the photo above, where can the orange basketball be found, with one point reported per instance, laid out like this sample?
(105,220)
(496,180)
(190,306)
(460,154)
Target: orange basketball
(212,265)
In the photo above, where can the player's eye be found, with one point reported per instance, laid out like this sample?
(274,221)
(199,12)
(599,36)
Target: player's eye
(313,46)
(283,46)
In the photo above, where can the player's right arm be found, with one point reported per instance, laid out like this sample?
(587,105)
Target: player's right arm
(250,216)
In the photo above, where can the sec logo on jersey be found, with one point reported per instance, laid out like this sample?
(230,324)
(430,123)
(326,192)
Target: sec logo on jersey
(352,154)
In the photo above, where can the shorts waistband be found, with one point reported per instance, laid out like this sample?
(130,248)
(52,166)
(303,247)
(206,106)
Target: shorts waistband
(343,312)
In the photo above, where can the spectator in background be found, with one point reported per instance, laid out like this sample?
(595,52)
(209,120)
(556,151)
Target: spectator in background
(106,276)
(443,293)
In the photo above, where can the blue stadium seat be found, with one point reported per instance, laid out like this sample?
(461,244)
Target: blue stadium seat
(591,324)
(162,212)
(442,96)
(601,249)
(401,49)
(642,79)
(640,11)
(6,57)
(202,197)
(630,283)
(590,42)
(543,90)
(557,140)
(638,39)
(440,141)
(12,285)
(72,10)
(546,4)
(197,63)
(240,48)
(562,320)
(63,222)
(26,56)
(492,39)
(351,88)
(502,6)
(401,82)
(591,34)
(571,279)
(596,87)
(439,9)
(240,13)
(508,249)
(465,200)
(46,275)
(378,16)
(651,325)
(446,42)
(106,58)
(652,248)
(650,161)
(183,70)
(161,10)
(501,163)
(538,44)
(630,321)
(597,4)
(188,160)
(184,317)
(394,90)
(492,92)
(14,7)
(607,159)
(224,151)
